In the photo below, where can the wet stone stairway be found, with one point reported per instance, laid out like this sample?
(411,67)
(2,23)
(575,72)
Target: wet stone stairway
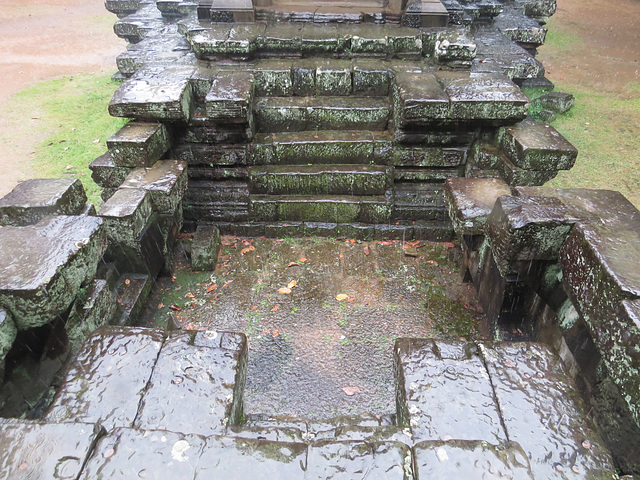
(178,413)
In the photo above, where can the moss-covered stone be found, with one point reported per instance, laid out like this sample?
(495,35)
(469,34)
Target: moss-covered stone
(8,332)
(369,78)
(334,78)
(515,176)
(205,248)
(126,214)
(273,79)
(166,182)
(139,144)
(230,97)
(106,173)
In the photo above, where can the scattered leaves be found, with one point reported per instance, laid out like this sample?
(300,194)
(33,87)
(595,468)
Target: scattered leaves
(189,295)
(351,391)
(212,287)
(284,290)
(412,243)
(342,297)
(386,242)
(433,262)
(250,248)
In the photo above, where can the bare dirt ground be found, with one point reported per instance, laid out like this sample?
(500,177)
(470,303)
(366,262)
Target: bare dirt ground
(52,38)
(41,41)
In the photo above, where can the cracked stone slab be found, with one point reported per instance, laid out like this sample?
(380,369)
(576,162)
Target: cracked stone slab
(96,390)
(470,201)
(535,145)
(43,266)
(459,459)
(34,199)
(160,93)
(543,411)
(139,144)
(209,375)
(38,450)
(166,182)
(443,392)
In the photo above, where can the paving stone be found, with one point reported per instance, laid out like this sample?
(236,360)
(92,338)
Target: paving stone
(38,450)
(319,179)
(166,182)
(126,214)
(32,200)
(443,392)
(8,332)
(127,453)
(419,201)
(209,376)
(139,144)
(347,460)
(426,174)
(43,266)
(527,228)
(543,412)
(106,173)
(205,247)
(95,389)
(470,201)
(162,93)
(230,97)
(458,459)
(537,146)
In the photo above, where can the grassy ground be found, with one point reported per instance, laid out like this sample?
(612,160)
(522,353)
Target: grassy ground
(603,125)
(72,112)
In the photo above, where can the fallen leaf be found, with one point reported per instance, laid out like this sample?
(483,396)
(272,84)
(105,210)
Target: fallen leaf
(275,308)
(246,242)
(292,283)
(275,333)
(351,390)
(386,242)
(432,262)
(293,264)
(254,307)
(173,278)
(413,243)
(284,290)
(250,248)
(23,466)
(97,140)
(175,307)
(302,260)
(212,287)
(448,244)
(127,281)
(227,283)
(366,250)
(351,299)
(160,305)
(190,295)
(341,297)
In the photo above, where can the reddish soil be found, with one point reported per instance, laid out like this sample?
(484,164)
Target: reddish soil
(40,41)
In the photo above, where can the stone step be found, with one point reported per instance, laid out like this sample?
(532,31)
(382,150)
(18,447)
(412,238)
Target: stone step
(247,41)
(320,180)
(230,97)
(456,98)
(419,201)
(294,114)
(332,209)
(139,144)
(514,391)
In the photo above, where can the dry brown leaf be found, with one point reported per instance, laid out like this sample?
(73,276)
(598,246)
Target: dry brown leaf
(250,248)
(284,290)
(275,333)
(275,308)
(366,250)
(341,297)
(292,283)
(351,390)
(413,243)
(160,305)
(386,242)
(448,244)
(189,295)
(246,242)
(127,281)
(302,260)
(293,264)
(433,262)
(175,307)
(212,287)
(351,299)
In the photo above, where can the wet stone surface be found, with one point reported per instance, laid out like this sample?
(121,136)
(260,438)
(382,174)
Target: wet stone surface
(444,392)
(139,144)
(34,450)
(43,266)
(206,376)
(307,345)
(95,389)
(166,182)
(32,200)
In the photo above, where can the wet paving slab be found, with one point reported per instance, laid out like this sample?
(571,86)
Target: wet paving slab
(321,316)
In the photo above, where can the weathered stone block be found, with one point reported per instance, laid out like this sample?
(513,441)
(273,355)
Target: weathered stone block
(43,266)
(128,453)
(282,39)
(515,176)
(453,46)
(367,40)
(207,374)
(126,214)
(273,79)
(205,247)
(537,146)
(527,228)
(281,114)
(542,410)
(155,94)
(471,459)
(333,78)
(348,113)
(95,389)
(328,459)
(166,182)
(470,201)
(419,99)
(139,144)
(429,374)
(32,200)
(36,450)
(132,290)
(230,97)
(557,102)
(304,78)
(369,78)
(106,173)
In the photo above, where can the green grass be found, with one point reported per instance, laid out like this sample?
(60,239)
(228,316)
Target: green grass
(72,113)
